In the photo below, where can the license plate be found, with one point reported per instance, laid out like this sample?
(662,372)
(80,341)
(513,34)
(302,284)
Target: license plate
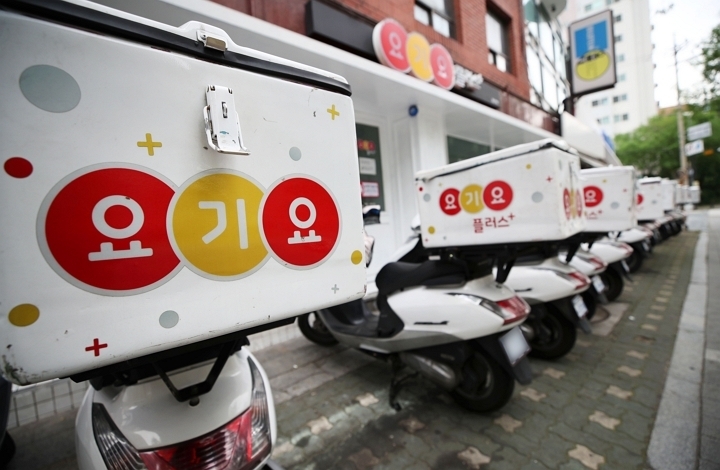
(625,266)
(598,283)
(580,307)
(515,345)
(646,246)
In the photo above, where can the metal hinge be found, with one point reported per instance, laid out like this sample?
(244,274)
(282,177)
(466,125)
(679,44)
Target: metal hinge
(222,125)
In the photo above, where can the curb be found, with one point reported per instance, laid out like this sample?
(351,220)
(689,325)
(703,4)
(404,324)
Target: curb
(675,438)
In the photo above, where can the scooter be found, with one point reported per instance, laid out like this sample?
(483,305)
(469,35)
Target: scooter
(593,267)
(554,291)
(209,407)
(639,239)
(445,319)
(614,254)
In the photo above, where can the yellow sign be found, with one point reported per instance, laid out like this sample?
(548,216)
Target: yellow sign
(418,49)
(592,65)
(214,223)
(471,198)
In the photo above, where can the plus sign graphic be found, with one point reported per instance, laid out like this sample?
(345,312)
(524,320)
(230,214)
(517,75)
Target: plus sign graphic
(96,347)
(335,288)
(333,112)
(149,144)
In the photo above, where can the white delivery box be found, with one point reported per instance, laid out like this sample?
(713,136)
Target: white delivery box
(163,186)
(682,194)
(669,190)
(609,195)
(529,192)
(695,194)
(650,198)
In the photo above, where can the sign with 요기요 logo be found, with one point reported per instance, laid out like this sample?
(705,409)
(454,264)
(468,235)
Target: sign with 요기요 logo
(496,196)
(124,230)
(397,49)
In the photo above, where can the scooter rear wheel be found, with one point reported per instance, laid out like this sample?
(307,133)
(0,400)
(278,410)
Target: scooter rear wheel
(636,258)
(614,282)
(559,334)
(485,385)
(590,302)
(313,328)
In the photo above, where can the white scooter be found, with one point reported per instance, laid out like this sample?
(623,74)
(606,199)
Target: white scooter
(443,318)
(593,267)
(554,291)
(639,239)
(207,408)
(614,254)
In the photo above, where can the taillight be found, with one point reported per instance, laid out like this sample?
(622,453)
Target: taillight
(515,309)
(579,279)
(597,262)
(241,444)
(510,310)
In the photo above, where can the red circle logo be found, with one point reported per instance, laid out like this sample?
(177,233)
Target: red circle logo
(566,203)
(497,195)
(593,196)
(390,44)
(105,231)
(640,199)
(442,66)
(300,222)
(578,203)
(450,201)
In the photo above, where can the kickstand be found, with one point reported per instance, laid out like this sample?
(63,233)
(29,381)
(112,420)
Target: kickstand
(397,381)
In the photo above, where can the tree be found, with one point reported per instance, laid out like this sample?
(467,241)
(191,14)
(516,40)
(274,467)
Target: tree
(710,60)
(652,148)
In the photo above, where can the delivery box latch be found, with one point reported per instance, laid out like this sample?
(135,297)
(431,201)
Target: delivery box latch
(222,124)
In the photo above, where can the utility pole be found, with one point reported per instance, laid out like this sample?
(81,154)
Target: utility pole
(680,120)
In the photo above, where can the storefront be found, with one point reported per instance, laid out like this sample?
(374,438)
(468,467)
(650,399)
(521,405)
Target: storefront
(404,124)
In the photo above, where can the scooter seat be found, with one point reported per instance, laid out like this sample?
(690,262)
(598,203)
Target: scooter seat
(395,276)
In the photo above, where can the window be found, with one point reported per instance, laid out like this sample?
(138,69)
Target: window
(619,98)
(370,160)
(621,77)
(460,149)
(618,18)
(600,102)
(621,57)
(436,13)
(621,117)
(497,40)
(588,7)
(618,38)
(604,120)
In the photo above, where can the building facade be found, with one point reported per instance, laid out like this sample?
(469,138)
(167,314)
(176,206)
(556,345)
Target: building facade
(631,102)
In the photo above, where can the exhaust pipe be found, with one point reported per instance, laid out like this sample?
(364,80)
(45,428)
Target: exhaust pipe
(439,373)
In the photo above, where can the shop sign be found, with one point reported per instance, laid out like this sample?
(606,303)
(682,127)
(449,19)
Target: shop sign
(412,53)
(467,79)
(592,57)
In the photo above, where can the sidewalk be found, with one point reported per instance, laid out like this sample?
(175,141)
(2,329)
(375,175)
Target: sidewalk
(595,408)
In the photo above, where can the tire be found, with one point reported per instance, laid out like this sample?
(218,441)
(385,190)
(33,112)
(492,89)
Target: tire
(7,450)
(635,260)
(315,330)
(485,386)
(614,282)
(590,300)
(560,334)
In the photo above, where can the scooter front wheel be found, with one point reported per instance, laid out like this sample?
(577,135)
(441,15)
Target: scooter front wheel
(485,385)
(554,335)
(313,328)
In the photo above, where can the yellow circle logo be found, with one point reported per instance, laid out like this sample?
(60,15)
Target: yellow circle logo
(213,221)
(592,65)
(418,51)
(471,198)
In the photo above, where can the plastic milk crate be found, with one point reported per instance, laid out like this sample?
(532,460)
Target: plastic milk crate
(163,186)
(650,199)
(609,198)
(529,192)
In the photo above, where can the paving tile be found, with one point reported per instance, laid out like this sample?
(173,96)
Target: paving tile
(604,420)
(587,457)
